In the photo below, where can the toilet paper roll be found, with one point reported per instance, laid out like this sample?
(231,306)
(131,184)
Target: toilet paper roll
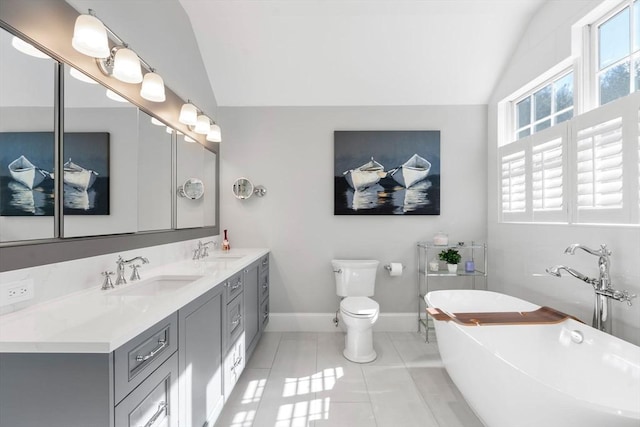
(395,269)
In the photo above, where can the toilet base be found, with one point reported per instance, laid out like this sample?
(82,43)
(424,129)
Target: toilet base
(359,345)
(358,358)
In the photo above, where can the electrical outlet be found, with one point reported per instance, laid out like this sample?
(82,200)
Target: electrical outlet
(13,292)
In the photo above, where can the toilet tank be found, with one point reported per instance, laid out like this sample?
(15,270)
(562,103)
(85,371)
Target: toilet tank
(355,277)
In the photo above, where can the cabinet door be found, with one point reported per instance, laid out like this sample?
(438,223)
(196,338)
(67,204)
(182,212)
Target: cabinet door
(201,393)
(251,303)
(154,401)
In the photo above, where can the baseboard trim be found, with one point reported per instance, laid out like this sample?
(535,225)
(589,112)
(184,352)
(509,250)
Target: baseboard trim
(323,322)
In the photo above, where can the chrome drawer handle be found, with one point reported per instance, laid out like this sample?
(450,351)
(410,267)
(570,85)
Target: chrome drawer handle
(265,285)
(162,406)
(234,287)
(265,315)
(161,344)
(236,363)
(236,320)
(265,262)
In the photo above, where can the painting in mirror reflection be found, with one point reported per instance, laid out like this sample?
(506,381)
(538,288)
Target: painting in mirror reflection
(27,173)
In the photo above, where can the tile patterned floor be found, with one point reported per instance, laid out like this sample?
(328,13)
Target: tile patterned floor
(302,380)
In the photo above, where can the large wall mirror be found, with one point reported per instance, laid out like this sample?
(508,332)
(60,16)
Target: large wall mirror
(120,169)
(27,123)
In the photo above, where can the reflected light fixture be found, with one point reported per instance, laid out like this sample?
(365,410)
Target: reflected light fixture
(156,122)
(203,125)
(188,114)
(115,97)
(28,48)
(169,129)
(90,36)
(187,138)
(153,87)
(81,76)
(215,133)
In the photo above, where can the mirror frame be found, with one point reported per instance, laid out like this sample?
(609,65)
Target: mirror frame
(49,27)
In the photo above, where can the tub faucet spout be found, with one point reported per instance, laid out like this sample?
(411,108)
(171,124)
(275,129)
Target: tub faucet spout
(555,271)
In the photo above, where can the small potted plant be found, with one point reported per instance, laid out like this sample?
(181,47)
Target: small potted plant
(451,257)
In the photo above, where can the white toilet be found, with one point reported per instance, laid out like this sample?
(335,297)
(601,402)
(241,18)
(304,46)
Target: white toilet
(355,282)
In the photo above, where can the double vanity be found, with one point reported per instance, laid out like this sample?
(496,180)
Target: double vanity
(165,350)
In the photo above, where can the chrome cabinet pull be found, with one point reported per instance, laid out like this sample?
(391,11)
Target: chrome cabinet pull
(265,315)
(233,287)
(265,262)
(161,344)
(162,406)
(236,320)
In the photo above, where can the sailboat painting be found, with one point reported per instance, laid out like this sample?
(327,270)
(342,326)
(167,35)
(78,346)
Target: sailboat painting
(387,172)
(27,173)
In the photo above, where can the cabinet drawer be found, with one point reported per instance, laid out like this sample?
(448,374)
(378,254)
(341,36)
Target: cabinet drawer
(233,367)
(233,286)
(135,360)
(263,284)
(264,314)
(234,325)
(154,402)
(264,263)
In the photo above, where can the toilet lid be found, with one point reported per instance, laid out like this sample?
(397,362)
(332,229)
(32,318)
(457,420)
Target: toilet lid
(359,306)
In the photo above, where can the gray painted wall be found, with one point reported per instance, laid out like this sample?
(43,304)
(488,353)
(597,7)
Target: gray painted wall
(290,151)
(519,253)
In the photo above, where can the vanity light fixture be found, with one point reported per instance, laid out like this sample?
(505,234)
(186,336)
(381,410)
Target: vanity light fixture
(125,65)
(188,114)
(28,48)
(215,133)
(156,122)
(203,125)
(81,76)
(169,129)
(90,36)
(115,97)
(153,87)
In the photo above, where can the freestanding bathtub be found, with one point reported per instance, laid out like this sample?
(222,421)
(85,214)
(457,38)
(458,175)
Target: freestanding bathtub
(528,375)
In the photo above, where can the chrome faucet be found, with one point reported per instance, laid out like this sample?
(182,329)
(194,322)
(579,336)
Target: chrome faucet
(120,279)
(202,251)
(604,293)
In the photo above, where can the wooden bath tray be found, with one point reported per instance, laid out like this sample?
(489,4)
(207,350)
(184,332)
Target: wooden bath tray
(541,316)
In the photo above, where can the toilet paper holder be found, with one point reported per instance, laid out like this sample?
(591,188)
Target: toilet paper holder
(388,267)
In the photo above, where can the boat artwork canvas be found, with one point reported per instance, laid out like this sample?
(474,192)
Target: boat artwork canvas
(387,172)
(27,173)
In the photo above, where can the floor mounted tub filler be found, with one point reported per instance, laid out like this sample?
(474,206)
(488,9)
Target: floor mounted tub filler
(521,365)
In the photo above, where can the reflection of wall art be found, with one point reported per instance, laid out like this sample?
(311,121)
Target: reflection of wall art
(27,173)
(387,173)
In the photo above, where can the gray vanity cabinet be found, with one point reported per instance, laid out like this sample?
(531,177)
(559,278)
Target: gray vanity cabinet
(251,304)
(200,358)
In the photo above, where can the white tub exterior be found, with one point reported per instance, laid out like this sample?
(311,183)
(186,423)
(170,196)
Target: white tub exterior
(535,375)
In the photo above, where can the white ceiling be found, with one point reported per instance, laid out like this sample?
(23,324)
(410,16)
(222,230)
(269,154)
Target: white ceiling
(356,52)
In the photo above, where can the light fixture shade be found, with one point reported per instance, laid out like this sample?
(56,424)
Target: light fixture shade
(203,125)
(187,138)
(188,114)
(115,97)
(156,122)
(28,48)
(81,76)
(90,37)
(126,66)
(153,88)
(169,129)
(215,134)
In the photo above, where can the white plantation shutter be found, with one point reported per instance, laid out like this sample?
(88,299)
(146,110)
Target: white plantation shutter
(547,176)
(605,164)
(513,182)
(599,166)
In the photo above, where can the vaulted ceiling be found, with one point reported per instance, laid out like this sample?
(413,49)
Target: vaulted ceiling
(356,52)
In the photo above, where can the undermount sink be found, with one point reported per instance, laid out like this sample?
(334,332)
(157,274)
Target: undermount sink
(155,286)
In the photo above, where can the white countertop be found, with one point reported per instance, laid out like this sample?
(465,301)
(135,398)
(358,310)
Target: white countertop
(97,321)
